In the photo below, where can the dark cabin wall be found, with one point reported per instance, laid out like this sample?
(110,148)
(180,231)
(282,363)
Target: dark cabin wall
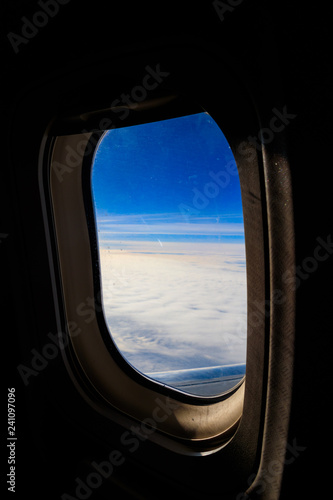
(285,51)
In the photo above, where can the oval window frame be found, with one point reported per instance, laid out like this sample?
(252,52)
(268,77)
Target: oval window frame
(196,423)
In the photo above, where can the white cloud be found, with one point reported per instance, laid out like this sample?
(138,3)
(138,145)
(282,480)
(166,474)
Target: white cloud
(179,305)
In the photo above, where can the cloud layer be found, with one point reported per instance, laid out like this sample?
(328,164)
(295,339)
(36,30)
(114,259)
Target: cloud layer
(175,305)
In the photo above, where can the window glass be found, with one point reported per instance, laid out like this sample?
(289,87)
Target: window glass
(170,228)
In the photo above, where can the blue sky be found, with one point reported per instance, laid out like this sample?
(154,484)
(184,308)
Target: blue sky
(171,240)
(165,173)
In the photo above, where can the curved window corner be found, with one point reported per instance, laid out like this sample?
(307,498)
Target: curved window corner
(169,217)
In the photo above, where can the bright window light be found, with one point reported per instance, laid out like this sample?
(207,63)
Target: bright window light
(170,228)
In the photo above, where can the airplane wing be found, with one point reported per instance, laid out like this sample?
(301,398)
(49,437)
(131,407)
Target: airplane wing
(208,381)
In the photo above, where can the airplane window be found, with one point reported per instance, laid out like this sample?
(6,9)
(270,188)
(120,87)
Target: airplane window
(169,218)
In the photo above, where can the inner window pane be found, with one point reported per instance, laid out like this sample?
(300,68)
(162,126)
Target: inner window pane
(172,251)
